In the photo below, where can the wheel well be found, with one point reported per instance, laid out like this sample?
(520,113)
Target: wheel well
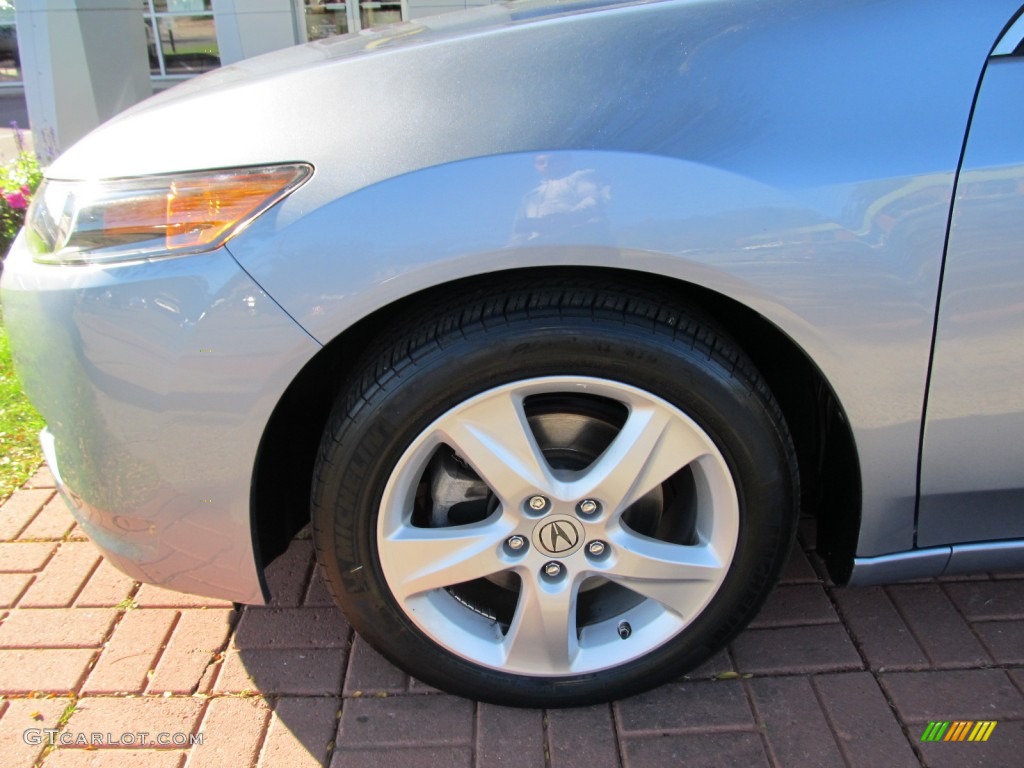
(829,470)
(830,479)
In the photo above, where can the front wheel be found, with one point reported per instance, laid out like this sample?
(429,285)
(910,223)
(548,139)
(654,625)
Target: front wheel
(552,498)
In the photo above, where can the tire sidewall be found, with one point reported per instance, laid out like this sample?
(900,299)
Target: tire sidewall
(378,424)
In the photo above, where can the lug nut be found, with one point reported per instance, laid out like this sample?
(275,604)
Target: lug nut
(596,548)
(516,542)
(552,569)
(588,507)
(537,503)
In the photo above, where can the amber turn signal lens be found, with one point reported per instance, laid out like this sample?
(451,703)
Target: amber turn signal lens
(202,211)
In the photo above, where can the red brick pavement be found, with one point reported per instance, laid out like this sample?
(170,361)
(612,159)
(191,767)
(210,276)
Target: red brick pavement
(823,677)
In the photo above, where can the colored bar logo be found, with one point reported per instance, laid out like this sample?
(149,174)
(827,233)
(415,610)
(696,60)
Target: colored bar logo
(959,730)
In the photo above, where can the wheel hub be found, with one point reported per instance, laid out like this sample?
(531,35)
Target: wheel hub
(558,536)
(526,526)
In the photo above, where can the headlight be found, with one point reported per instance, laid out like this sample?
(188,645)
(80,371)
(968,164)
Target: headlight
(79,222)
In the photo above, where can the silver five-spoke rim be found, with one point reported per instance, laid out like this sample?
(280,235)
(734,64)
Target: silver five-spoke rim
(546,535)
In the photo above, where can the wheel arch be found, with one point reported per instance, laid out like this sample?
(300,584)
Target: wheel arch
(830,485)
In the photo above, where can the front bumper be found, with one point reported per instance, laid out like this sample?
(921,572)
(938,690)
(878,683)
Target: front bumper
(156,381)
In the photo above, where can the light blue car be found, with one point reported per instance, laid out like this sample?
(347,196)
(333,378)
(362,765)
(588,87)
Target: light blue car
(553,317)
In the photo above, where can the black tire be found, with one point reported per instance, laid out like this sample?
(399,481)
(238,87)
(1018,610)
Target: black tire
(499,341)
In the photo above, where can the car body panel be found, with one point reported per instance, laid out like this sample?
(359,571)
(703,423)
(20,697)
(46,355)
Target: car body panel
(848,266)
(796,157)
(852,281)
(938,561)
(156,381)
(972,469)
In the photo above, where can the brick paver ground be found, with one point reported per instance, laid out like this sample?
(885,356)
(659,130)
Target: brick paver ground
(127,675)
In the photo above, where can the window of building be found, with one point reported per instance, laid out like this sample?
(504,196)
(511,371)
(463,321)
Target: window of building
(324,19)
(181,36)
(10,60)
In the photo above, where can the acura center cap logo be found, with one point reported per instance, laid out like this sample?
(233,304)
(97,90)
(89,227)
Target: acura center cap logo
(559,536)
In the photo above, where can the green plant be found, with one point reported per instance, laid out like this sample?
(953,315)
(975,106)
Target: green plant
(19,179)
(20,454)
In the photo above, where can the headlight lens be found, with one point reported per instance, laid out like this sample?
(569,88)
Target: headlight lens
(79,222)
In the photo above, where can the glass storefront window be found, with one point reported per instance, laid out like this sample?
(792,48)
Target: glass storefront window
(182,6)
(324,19)
(373,13)
(10,59)
(181,37)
